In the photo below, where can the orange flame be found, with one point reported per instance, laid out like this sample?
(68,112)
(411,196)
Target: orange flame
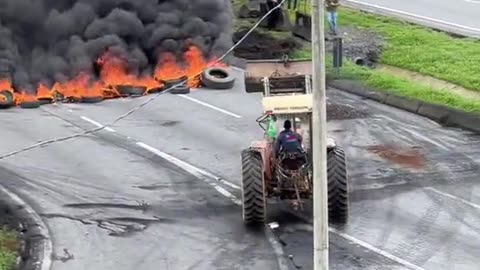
(80,86)
(23,97)
(114,71)
(168,68)
(6,85)
(43,92)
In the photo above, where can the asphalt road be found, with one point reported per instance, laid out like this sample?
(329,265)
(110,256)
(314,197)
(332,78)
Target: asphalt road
(115,202)
(455,15)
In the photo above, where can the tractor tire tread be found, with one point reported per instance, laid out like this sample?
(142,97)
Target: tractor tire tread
(338,199)
(253,197)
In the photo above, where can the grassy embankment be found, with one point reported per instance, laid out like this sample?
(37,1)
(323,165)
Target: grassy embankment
(8,252)
(418,49)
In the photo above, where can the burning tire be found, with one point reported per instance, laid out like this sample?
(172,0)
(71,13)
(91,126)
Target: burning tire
(93,99)
(177,86)
(155,90)
(30,104)
(218,78)
(253,196)
(44,101)
(129,90)
(6,99)
(337,187)
(171,83)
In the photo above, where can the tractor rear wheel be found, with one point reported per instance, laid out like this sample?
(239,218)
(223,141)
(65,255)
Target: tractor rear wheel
(253,195)
(337,187)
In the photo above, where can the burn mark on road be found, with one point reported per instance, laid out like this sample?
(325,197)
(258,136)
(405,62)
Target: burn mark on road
(142,206)
(406,157)
(116,226)
(169,123)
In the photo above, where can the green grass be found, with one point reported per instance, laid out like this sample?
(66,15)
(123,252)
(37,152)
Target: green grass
(8,254)
(421,49)
(389,83)
(411,47)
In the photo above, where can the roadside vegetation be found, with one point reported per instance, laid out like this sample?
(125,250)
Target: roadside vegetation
(8,249)
(407,46)
(383,81)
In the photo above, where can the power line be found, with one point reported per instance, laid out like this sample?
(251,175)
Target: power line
(125,115)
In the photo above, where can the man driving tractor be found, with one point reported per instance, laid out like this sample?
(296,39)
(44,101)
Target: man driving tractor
(288,140)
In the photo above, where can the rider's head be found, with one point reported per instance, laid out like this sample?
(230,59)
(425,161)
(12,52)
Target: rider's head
(287,125)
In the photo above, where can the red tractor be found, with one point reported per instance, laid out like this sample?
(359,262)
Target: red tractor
(288,176)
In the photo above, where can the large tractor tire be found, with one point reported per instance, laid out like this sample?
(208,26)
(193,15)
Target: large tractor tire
(337,187)
(254,208)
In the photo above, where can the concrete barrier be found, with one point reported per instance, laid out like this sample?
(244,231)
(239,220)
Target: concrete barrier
(441,114)
(404,103)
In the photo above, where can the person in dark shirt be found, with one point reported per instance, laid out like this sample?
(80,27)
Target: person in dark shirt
(288,141)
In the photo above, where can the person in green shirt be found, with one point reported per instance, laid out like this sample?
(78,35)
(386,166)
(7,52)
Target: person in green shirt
(272,127)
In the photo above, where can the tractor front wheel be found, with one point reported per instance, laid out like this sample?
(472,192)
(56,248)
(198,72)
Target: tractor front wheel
(337,187)
(253,189)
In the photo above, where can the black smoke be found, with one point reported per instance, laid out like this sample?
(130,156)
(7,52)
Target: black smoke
(44,41)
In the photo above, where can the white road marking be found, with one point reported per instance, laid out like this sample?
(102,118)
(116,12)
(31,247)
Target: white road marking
(210,106)
(473,1)
(415,15)
(197,172)
(96,123)
(48,245)
(376,250)
(453,197)
(206,177)
(277,248)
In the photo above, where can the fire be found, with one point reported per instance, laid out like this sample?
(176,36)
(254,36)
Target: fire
(80,86)
(168,68)
(114,71)
(23,97)
(43,92)
(6,85)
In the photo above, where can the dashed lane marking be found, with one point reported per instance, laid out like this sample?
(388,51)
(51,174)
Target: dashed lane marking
(211,106)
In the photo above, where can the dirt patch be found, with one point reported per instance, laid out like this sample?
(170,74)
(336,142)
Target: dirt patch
(260,45)
(343,112)
(360,44)
(406,157)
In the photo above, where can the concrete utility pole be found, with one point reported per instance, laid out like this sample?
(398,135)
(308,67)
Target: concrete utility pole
(319,140)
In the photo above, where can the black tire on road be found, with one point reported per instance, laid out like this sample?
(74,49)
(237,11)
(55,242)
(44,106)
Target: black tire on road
(337,187)
(180,90)
(218,78)
(254,208)
(167,84)
(155,90)
(30,104)
(129,90)
(92,99)
(45,101)
(9,99)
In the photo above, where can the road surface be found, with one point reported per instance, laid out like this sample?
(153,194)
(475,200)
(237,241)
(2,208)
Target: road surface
(117,200)
(451,15)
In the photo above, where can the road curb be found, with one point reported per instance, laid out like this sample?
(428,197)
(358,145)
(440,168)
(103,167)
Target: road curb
(441,114)
(36,245)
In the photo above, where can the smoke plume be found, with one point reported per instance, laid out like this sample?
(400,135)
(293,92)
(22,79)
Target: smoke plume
(47,41)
